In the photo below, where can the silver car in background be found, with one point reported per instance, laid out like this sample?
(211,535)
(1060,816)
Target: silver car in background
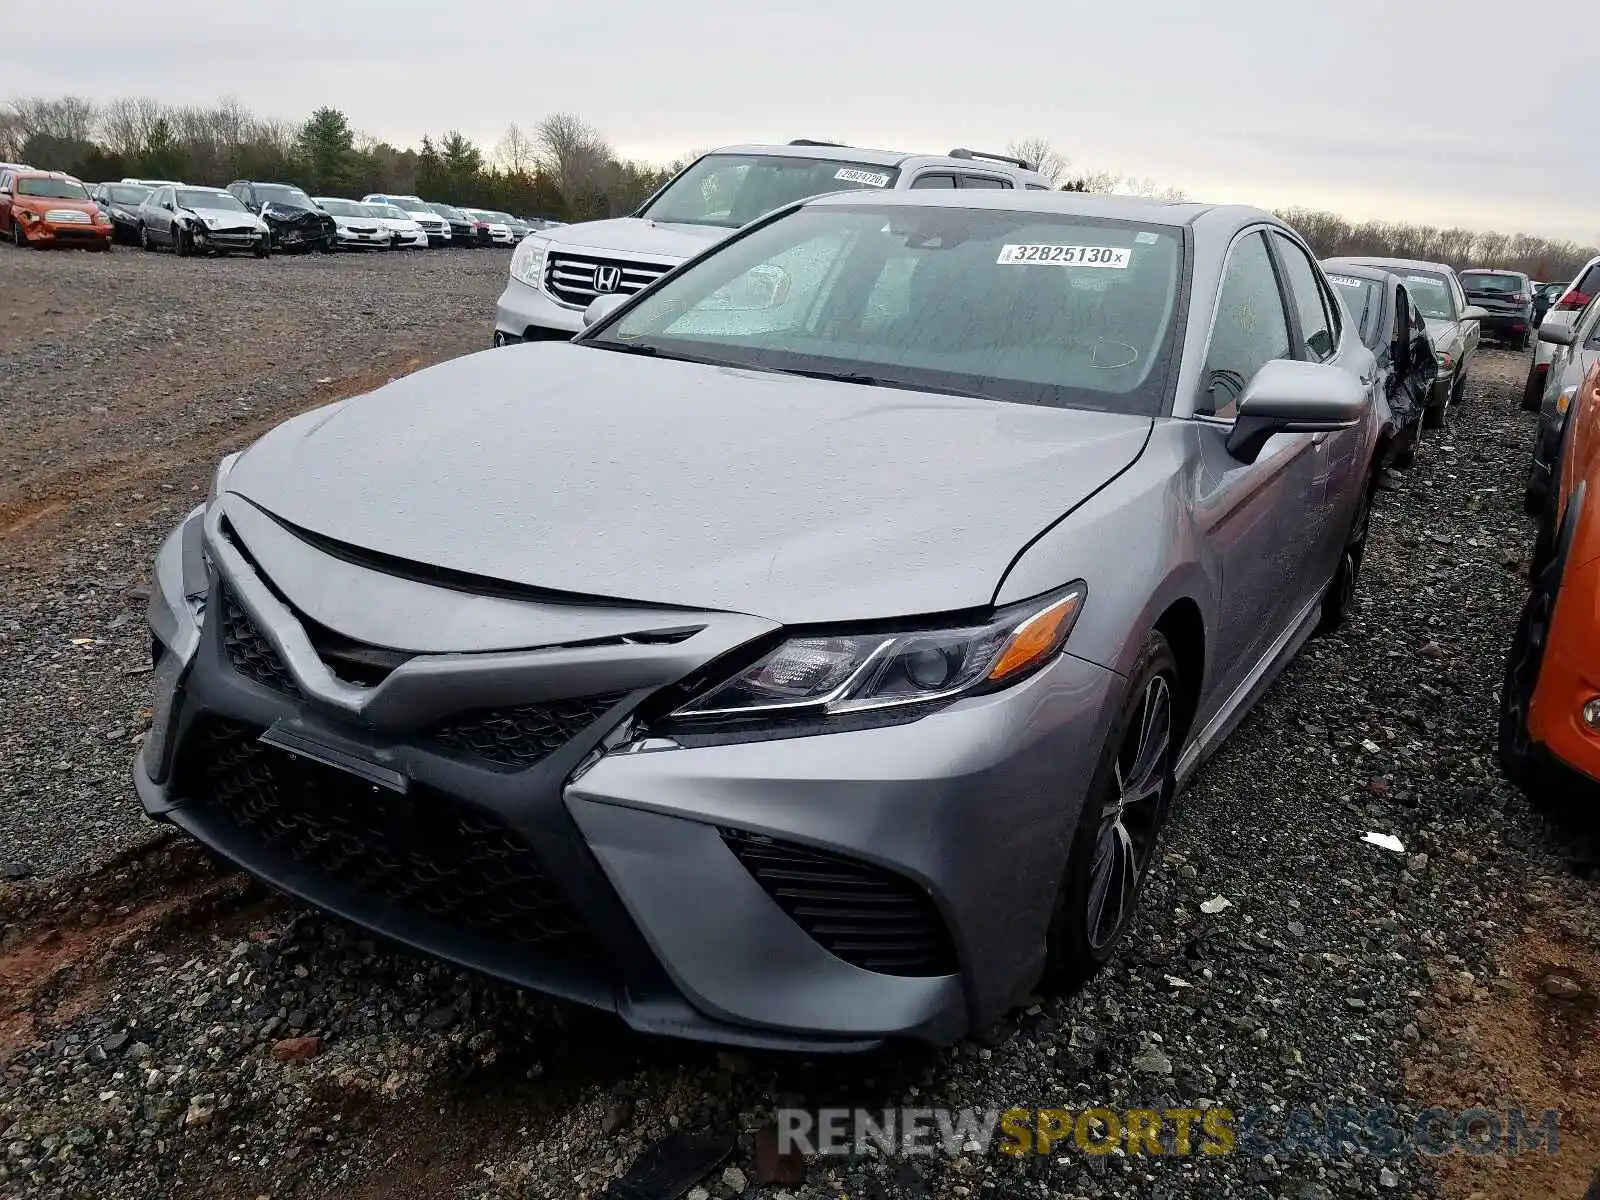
(809,653)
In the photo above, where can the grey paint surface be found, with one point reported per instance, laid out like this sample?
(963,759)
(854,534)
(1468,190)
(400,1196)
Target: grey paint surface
(636,493)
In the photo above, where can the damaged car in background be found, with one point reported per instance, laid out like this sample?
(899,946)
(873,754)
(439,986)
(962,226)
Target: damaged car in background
(296,224)
(195,220)
(823,752)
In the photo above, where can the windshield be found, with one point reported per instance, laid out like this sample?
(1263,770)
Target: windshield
(501,218)
(124,193)
(1033,308)
(1431,295)
(52,189)
(387,211)
(448,213)
(1361,297)
(731,190)
(195,198)
(341,208)
(1499,285)
(282,193)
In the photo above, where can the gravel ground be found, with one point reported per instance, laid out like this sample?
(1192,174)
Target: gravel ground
(168,1030)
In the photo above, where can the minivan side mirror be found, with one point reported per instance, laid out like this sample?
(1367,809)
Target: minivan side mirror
(1289,396)
(1556,335)
(602,307)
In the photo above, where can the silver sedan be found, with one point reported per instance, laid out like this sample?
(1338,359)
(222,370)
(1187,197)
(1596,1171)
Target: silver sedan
(810,653)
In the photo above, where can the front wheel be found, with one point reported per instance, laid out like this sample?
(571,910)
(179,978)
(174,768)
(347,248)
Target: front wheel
(180,242)
(1123,813)
(18,238)
(1523,665)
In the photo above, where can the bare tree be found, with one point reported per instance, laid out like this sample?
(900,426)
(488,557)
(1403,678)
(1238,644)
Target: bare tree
(11,135)
(1044,158)
(573,153)
(68,118)
(516,153)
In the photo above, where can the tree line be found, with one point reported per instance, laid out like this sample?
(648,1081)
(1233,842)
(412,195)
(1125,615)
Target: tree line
(563,167)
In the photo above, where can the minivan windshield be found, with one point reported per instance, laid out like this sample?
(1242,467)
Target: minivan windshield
(731,190)
(1034,308)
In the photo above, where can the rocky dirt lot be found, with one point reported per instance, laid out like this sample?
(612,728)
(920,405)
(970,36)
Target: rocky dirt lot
(168,1030)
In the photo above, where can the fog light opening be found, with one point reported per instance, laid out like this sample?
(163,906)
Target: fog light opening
(1591,713)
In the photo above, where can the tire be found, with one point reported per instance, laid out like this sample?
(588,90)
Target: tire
(144,239)
(1406,456)
(1458,392)
(18,238)
(1523,664)
(263,249)
(1532,392)
(1339,601)
(1120,824)
(180,242)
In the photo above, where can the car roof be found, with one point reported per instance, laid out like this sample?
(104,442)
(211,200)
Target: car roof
(1088,204)
(869,155)
(1404,264)
(1359,270)
(1491,271)
(35,173)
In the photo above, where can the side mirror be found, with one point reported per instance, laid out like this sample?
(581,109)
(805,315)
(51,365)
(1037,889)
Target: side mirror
(1287,396)
(1473,313)
(602,307)
(1556,335)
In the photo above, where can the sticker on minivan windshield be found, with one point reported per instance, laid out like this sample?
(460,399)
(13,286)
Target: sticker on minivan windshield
(1345,281)
(1065,256)
(864,178)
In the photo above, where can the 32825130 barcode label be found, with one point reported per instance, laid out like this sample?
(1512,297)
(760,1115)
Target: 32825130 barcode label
(1117,257)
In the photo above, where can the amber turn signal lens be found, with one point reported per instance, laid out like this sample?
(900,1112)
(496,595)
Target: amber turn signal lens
(1038,637)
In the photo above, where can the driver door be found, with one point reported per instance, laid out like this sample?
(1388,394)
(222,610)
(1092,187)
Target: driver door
(1252,517)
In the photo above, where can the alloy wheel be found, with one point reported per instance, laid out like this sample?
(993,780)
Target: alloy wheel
(1131,819)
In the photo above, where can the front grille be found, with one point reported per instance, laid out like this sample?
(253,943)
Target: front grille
(248,649)
(520,736)
(872,918)
(570,278)
(423,852)
(68,216)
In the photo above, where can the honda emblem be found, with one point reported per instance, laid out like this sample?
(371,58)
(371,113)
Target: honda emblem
(607,278)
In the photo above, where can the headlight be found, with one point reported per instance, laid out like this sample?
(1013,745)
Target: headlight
(820,676)
(1446,363)
(220,479)
(27,215)
(527,264)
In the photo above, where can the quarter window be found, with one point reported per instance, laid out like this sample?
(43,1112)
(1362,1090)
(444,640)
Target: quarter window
(934,181)
(983,181)
(1250,331)
(1317,328)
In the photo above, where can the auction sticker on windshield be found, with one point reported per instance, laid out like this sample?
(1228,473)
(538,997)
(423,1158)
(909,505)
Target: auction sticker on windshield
(1346,281)
(1066,256)
(865,178)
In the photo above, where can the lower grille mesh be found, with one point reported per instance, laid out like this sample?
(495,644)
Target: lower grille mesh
(872,918)
(248,650)
(520,736)
(424,851)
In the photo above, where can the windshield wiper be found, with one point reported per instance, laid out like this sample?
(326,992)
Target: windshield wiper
(876,381)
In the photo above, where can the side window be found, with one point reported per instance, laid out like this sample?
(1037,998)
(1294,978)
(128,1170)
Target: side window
(1250,330)
(1457,296)
(1318,329)
(1037,187)
(984,181)
(934,181)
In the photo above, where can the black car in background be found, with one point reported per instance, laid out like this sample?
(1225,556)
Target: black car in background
(1545,295)
(295,222)
(120,202)
(464,230)
(1390,325)
(1507,296)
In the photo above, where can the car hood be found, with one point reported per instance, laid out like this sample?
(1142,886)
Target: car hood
(635,235)
(227,216)
(611,475)
(40,204)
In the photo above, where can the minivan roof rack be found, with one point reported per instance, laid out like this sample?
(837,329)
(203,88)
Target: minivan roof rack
(813,142)
(962,152)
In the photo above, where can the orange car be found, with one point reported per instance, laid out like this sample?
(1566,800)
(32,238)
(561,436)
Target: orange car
(1550,703)
(47,208)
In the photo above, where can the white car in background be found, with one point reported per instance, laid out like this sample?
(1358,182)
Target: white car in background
(358,228)
(500,232)
(404,233)
(436,227)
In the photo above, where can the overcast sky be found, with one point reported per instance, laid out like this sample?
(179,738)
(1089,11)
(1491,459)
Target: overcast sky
(1448,113)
